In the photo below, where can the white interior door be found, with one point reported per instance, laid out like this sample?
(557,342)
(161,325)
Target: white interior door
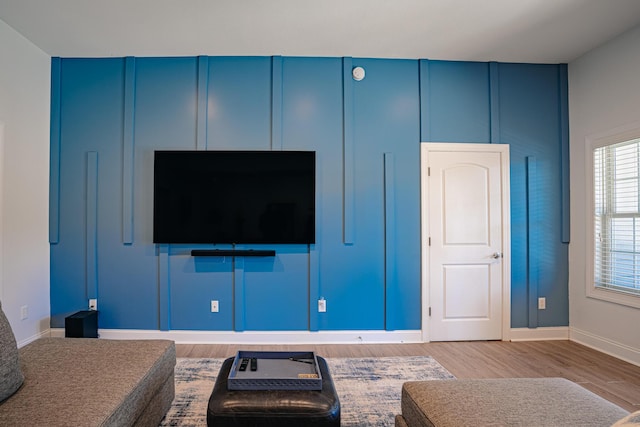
(465,220)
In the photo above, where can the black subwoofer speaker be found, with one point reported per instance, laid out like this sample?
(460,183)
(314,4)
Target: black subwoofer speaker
(83,324)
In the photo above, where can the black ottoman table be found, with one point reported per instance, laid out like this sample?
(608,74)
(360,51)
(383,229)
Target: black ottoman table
(285,408)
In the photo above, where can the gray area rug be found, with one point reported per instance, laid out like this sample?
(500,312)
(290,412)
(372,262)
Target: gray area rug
(369,388)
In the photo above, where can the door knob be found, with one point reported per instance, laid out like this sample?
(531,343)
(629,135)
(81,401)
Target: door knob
(496,255)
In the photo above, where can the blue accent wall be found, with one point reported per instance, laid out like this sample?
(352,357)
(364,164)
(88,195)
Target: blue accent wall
(531,113)
(109,115)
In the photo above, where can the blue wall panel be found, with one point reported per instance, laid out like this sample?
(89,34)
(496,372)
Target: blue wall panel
(276,290)
(520,105)
(166,113)
(164,118)
(366,259)
(312,120)
(194,283)
(239,103)
(90,121)
(386,119)
(530,122)
(458,101)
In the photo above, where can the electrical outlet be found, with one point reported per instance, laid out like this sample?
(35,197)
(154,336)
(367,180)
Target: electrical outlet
(542,303)
(322,305)
(215,306)
(93,304)
(24,312)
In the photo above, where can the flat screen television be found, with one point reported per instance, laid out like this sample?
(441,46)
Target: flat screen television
(234,197)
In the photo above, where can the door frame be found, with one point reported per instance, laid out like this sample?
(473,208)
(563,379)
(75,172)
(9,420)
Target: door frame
(503,149)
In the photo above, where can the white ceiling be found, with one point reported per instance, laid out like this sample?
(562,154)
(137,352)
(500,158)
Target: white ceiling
(547,31)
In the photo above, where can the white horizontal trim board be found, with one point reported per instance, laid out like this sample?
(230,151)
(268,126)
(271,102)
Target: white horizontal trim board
(605,345)
(263,337)
(540,334)
(303,337)
(620,351)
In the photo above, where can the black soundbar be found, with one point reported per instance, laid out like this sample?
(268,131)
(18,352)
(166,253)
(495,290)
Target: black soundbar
(232,252)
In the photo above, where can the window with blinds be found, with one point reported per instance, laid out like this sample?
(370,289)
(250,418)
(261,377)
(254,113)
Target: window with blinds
(617,217)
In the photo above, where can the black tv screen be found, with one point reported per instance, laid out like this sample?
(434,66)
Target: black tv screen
(234,197)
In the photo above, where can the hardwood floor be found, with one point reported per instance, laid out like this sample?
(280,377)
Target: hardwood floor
(611,378)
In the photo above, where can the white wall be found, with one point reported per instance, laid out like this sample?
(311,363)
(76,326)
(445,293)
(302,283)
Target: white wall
(25,82)
(604,93)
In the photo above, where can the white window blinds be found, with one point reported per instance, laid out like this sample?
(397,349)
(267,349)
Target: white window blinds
(617,216)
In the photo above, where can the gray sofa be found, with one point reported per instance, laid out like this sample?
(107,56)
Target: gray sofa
(85,381)
(523,402)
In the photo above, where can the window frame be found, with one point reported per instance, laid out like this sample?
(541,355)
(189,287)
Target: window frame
(593,142)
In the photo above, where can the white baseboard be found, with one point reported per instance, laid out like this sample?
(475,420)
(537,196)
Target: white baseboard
(605,345)
(263,337)
(43,334)
(540,334)
(620,351)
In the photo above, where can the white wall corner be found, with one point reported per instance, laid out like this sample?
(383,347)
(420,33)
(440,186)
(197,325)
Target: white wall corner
(44,334)
(25,85)
(605,345)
